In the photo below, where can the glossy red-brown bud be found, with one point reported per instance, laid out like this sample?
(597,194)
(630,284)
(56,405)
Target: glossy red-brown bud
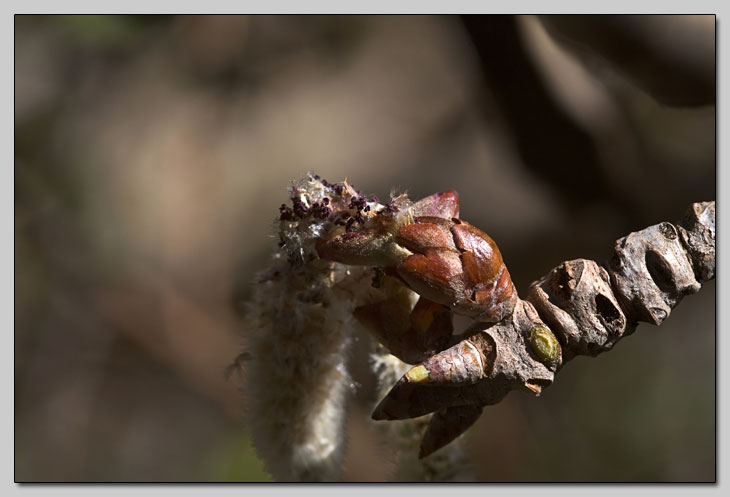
(457,265)
(442,258)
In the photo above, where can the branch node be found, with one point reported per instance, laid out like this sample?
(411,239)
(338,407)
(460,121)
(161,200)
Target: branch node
(577,301)
(651,272)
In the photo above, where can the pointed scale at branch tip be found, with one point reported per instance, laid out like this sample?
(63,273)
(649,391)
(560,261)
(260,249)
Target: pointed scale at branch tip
(446,425)
(432,385)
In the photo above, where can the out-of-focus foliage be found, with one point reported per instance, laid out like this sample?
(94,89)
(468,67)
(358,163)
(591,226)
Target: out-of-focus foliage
(152,153)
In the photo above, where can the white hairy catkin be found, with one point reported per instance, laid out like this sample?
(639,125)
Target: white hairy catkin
(297,380)
(297,337)
(299,327)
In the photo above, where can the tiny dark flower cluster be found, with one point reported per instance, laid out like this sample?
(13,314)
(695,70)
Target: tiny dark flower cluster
(358,203)
(300,210)
(286,213)
(320,210)
(323,209)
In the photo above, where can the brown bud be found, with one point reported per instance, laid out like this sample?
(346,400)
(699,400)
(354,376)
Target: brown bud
(437,276)
(464,271)
(485,273)
(442,258)
(427,233)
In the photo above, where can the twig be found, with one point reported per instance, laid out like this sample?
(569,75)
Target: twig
(304,309)
(588,308)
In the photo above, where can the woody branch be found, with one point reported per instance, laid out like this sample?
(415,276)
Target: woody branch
(306,307)
(587,306)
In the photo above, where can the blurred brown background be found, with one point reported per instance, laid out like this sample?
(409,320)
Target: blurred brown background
(152,152)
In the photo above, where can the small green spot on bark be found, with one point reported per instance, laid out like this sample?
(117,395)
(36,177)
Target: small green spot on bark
(544,344)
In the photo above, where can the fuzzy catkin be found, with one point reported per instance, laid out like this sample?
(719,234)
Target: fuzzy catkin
(297,380)
(298,333)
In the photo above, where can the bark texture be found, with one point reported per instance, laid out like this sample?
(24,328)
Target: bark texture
(580,307)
